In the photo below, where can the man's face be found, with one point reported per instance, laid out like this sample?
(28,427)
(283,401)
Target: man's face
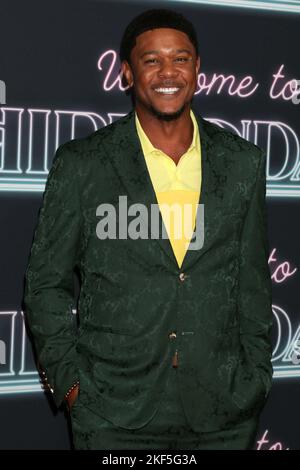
(164,70)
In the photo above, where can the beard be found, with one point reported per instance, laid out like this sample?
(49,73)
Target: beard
(167,116)
(158,114)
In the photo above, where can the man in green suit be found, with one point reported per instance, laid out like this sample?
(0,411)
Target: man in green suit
(173,348)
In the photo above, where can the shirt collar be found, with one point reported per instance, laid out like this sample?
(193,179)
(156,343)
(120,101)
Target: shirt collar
(147,146)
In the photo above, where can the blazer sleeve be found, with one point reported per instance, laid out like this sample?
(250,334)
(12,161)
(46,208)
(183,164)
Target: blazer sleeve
(255,285)
(49,283)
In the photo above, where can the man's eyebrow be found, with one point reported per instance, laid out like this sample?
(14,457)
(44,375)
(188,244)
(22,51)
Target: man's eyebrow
(157,52)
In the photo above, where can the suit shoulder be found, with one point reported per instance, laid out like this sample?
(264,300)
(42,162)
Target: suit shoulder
(92,144)
(232,141)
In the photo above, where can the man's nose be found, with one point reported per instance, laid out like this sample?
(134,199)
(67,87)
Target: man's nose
(167,69)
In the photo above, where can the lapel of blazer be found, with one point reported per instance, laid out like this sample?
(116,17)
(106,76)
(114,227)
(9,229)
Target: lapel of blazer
(212,187)
(129,163)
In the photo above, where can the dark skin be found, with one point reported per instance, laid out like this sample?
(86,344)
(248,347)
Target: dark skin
(165,118)
(173,62)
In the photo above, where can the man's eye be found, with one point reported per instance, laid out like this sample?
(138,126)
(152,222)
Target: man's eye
(179,59)
(150,61)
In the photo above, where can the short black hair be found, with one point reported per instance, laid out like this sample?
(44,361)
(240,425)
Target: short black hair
(152,19)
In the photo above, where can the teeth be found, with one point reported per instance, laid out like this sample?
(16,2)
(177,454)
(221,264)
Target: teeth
(169,91)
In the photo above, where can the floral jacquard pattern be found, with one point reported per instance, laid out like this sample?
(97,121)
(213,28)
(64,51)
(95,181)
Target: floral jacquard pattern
(132,293)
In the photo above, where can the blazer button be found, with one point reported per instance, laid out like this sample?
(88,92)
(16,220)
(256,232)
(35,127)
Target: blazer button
(172,335)
(182,276)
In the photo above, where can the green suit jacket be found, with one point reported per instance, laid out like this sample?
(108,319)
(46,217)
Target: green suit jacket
(132,293)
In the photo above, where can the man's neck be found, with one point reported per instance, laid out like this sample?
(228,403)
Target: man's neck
(172,137)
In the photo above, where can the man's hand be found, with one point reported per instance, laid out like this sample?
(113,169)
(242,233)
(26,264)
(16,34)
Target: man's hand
(72,397)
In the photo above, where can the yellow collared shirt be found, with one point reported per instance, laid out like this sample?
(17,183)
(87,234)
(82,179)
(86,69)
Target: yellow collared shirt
(175,184)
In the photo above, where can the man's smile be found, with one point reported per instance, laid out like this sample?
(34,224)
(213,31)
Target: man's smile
(167,91)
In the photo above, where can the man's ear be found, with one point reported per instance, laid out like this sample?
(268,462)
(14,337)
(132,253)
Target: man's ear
(127,72)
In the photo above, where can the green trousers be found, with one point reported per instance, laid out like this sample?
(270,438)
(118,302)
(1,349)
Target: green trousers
(168,429)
